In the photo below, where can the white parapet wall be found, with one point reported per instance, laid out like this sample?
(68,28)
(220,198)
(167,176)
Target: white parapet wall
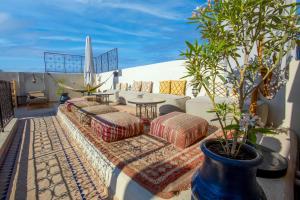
(43,82)
(172,70)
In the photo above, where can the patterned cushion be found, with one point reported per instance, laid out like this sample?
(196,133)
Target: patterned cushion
(124,86)
(165,87)
(116,126)
(136,86)
(118,86)
(178,128)
(84,114)
(75,106)
(70,103)
(178,87)
(147,86)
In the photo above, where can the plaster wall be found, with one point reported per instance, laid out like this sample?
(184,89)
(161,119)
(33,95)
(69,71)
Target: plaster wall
(43,82)
(172,70)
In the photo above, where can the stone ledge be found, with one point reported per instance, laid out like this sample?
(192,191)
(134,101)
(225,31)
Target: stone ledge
(6,138)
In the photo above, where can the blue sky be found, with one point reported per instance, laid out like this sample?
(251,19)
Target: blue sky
(145,31)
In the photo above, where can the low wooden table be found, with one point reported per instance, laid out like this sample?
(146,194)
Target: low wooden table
(146,108)
(103,97)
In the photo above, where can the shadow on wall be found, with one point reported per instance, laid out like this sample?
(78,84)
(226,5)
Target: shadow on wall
(277,108)
(294,99)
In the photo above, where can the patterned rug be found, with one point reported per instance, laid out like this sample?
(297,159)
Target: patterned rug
(153,163)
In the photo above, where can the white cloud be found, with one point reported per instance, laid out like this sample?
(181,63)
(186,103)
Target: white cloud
(77,39)
(127,32)
(157,11)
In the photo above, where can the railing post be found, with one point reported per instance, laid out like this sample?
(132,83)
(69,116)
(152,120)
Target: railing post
(1,121)
(107,61)
(117,57)
(65,63)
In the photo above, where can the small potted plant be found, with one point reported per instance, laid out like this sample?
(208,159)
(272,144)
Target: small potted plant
(243,46)
(60,91)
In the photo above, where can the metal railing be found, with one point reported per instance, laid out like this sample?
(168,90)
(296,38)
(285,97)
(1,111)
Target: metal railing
(6,104)
(67,63)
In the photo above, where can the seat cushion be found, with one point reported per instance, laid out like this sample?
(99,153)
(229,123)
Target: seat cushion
(75,105)
(124,86)
(116,126)
(165,87)
(118,86)
(178,87)
(136,86)
(147,86)
(179,128)
(36,93)
(84,114)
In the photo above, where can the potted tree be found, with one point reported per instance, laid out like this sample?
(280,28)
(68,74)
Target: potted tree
(245,46)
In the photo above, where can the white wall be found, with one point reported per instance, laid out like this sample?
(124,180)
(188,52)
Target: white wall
(172,70)
(285,107)
(43,82)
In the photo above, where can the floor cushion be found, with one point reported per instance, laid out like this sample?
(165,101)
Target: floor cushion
(84,114)
(179,128)
(76,105)
(116,126)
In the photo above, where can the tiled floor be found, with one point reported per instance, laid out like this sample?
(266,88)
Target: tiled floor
(43,163)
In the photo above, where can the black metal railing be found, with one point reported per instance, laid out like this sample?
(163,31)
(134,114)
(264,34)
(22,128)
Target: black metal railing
(66,63)
(6,104)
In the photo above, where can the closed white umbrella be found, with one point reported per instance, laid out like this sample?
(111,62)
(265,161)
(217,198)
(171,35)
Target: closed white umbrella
(89,71)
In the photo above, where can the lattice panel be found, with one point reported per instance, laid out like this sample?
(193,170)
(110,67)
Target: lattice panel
(65,63)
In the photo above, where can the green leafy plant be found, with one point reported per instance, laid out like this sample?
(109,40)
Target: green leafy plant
(244,45)
(60,89)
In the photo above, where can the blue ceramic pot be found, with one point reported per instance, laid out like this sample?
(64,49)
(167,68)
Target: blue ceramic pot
(224,178)
(64,97)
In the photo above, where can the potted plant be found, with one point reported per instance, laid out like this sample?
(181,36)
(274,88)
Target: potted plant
(60,91)
(244,44)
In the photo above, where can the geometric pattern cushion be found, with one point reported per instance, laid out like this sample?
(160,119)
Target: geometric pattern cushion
(165,87)
(136,86)
(116,126)
(84,114)
(147,86)
(124,86)
(178,87)
(180,129)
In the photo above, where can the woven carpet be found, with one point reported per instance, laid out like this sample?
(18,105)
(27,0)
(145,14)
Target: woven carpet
(153,163)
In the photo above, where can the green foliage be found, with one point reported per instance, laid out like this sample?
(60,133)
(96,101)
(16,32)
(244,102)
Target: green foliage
(59,89)
(231,30)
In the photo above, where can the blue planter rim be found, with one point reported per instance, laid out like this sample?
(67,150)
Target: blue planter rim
(234,162)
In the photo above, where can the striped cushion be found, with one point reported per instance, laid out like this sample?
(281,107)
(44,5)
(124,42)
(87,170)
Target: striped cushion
(178,87)
(165,87)
(116,126)
(178,128)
